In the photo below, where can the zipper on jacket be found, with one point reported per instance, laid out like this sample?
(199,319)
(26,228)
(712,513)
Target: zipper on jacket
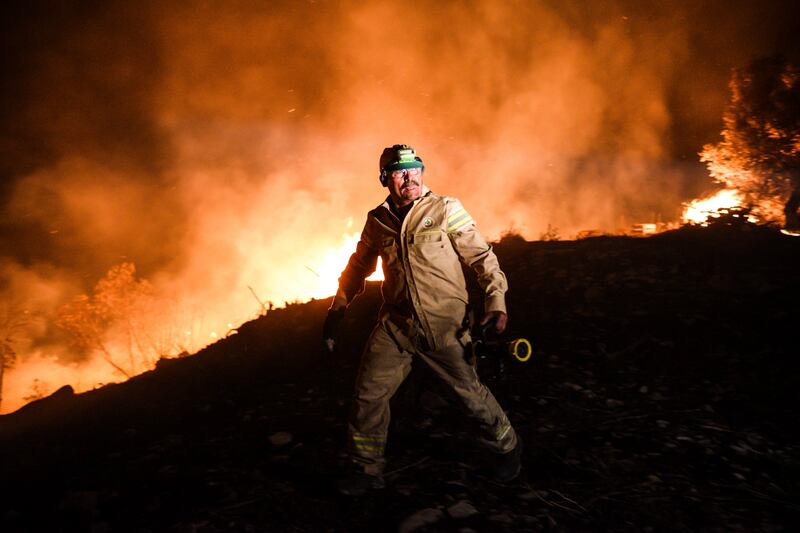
(415,304)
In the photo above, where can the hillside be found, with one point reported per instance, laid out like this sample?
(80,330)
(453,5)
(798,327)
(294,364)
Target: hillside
(661,396)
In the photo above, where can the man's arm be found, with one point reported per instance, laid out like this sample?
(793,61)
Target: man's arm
(476,253)
(361,264)
(351,283)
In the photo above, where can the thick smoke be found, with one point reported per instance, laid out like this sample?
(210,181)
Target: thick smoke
(225,148)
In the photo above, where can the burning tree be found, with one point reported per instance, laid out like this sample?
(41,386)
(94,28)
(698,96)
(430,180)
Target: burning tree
(123,320)
(759,154)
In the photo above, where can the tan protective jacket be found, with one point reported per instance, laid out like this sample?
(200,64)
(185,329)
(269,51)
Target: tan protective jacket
(424,287)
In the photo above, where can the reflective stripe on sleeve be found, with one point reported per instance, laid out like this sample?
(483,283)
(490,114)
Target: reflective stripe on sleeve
(502,430)
(458,220)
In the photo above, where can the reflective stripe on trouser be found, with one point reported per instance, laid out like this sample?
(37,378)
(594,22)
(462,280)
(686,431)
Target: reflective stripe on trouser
(384,366)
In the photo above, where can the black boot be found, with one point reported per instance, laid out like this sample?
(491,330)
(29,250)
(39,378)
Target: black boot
(358,482)
(508,465)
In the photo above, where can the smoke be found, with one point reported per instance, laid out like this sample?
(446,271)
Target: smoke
(225,148)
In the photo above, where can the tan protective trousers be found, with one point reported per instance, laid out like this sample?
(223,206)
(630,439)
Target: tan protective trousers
(386,362)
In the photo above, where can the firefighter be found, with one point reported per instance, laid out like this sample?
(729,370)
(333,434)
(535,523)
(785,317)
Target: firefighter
(422,239)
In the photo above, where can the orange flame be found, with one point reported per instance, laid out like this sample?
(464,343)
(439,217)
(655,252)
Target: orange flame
(700,210)
(176,330)
(332,264)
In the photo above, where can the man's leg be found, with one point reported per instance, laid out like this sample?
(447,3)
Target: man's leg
(383,368)
(450,364)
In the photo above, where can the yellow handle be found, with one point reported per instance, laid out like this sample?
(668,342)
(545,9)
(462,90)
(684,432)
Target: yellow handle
(521,349)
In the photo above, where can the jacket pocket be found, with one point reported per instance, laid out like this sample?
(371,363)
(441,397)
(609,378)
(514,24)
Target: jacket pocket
(425,237)
(434,255)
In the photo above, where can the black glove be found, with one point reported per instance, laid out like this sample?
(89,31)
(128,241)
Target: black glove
(330,329)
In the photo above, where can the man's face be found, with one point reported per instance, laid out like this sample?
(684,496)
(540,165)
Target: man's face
(405,185)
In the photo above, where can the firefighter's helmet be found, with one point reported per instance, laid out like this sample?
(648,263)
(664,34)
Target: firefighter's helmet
(398,157)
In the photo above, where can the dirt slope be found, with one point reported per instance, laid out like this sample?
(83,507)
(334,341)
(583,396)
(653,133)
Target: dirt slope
(661,396)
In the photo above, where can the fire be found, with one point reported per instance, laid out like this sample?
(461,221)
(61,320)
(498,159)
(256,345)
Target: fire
(165,329)
(700,210)
(332,264)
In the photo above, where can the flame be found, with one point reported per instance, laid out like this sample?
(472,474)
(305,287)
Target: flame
(42,374)
(700,210)
(332,264)
(168,332)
